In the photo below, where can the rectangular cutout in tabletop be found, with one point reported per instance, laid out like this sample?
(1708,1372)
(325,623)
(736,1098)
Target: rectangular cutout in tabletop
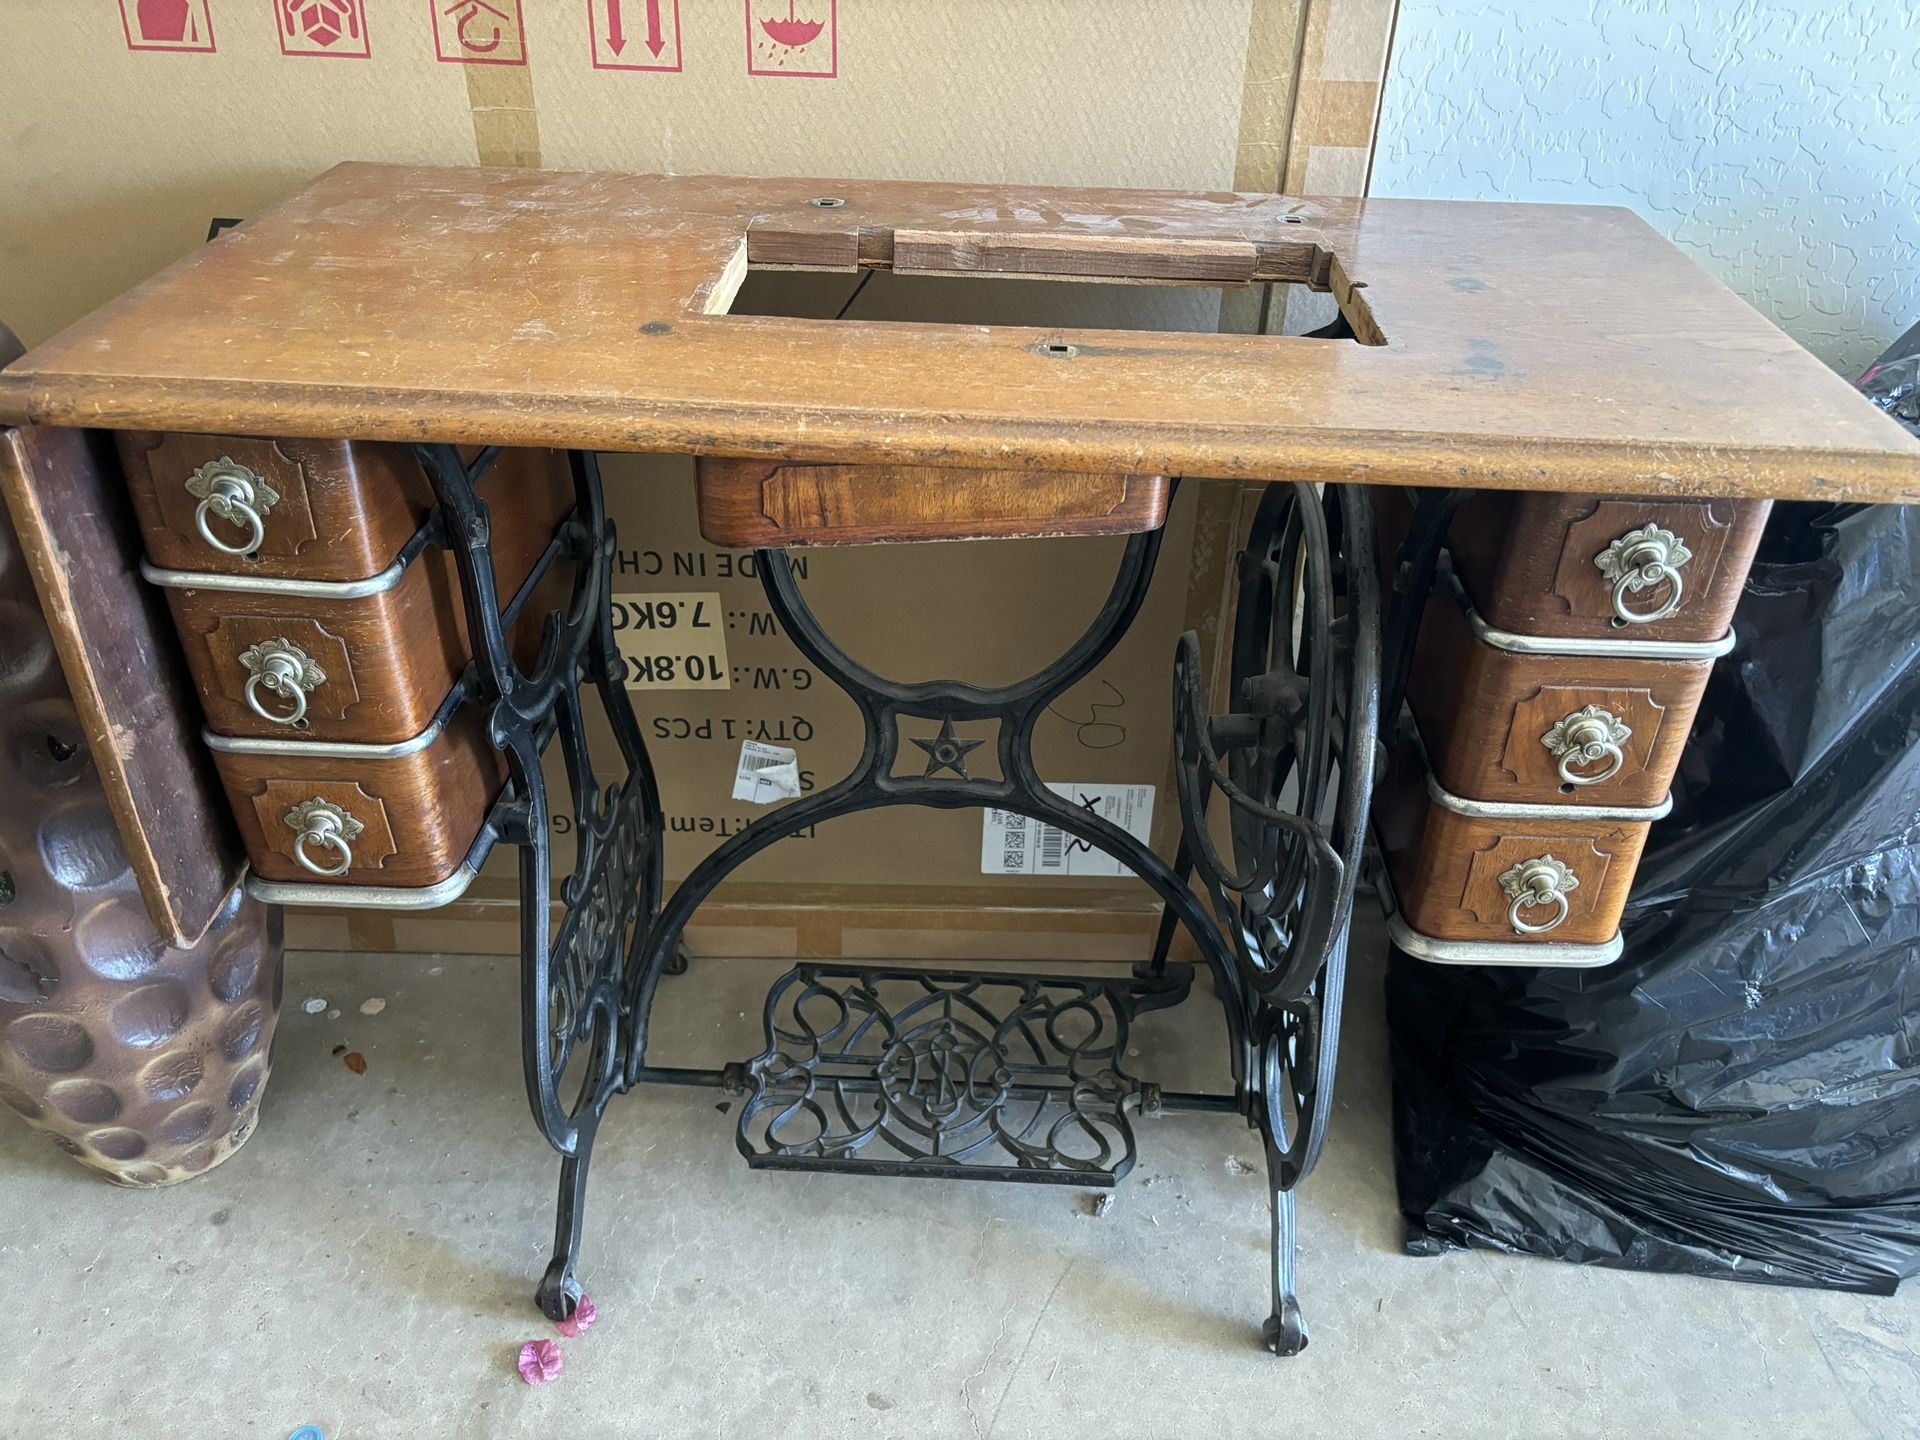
(1031,301)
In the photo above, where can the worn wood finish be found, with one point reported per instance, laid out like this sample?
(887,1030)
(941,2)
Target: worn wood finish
(1528,561)
(123,667)
(1446,868)
(343,512)
(388,658)
(1171,259)
(1483,712)
(1552,348)
(420,811)
(751,503)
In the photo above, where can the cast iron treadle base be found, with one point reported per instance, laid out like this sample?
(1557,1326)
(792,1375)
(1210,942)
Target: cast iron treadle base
(948,1074)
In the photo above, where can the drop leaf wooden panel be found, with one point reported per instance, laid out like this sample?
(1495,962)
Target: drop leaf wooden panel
(123,667)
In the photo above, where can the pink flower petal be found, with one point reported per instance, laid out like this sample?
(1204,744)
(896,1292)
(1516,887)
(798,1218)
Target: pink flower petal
(541,1362)
(580,1321)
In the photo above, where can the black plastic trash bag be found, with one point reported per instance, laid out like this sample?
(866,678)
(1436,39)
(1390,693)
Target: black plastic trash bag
(1740,1095)
(1893,382)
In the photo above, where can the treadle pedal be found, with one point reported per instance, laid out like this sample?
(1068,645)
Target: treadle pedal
(944,1074)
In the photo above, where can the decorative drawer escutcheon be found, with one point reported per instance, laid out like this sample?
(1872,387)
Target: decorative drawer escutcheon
(229,491)
(1588,735)
(325,826)
(1641,560)
(328,827)
(1542,881)
(279,667)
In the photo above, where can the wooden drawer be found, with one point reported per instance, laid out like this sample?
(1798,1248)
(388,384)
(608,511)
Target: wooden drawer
(408,814)
(758,503)
(1593,566)
(368,661)
(1532,727)
(1544,878)
(318,509)
(404,818)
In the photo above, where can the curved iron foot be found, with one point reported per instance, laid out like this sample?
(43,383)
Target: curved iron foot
(1285,1332)
(678,960)
(559,1292)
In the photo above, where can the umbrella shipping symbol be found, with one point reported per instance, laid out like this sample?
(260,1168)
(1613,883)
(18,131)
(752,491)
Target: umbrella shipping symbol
(793,37)
(635,34)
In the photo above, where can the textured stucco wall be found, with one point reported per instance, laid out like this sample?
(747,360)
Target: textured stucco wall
(1779,143)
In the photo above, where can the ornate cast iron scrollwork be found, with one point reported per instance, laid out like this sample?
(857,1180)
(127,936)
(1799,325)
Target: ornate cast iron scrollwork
(963,1076)
(1014,1077)
(572,973)
(1294,758)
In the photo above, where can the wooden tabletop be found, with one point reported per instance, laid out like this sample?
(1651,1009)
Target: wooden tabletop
(1512,346)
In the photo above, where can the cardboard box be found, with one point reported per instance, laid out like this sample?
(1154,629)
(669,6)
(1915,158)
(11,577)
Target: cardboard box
(132,123)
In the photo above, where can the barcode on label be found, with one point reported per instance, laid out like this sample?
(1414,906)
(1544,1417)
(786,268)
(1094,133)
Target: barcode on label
(766,773)
(1053,848)
(1014,844)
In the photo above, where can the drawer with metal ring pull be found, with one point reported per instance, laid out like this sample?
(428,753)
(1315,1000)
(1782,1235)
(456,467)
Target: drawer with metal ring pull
(401,816)
(296,509)
(1594,566)
(361,661)
(397,824)
(1549,720)
(1464,872)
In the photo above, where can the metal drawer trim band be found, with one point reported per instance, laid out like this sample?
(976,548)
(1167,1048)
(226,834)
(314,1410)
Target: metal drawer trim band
(390,897)
(1526,810)
(370,897)
(1573,645)
(299,589)
(1555,954)
(340,749)
(1558,955)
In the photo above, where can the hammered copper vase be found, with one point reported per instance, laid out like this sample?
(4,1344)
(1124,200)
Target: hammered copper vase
(139,1059)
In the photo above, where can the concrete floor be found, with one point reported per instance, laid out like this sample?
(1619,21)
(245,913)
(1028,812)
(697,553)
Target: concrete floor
(365,1265)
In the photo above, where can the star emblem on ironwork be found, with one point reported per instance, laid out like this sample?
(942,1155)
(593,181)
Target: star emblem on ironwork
(946,751)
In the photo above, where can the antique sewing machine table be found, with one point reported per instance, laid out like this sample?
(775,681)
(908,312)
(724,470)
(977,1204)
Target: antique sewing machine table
(360,434)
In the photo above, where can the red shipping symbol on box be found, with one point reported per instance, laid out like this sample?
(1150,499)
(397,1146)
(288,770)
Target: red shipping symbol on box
(479,32)
(167,25)
(793,37)
(635,34)
(323,27)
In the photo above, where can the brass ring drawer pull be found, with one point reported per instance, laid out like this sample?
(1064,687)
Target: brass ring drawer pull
(1586,736)
(315,822)
(229,491)
(1536,883)
(279,667)
(1644,559)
